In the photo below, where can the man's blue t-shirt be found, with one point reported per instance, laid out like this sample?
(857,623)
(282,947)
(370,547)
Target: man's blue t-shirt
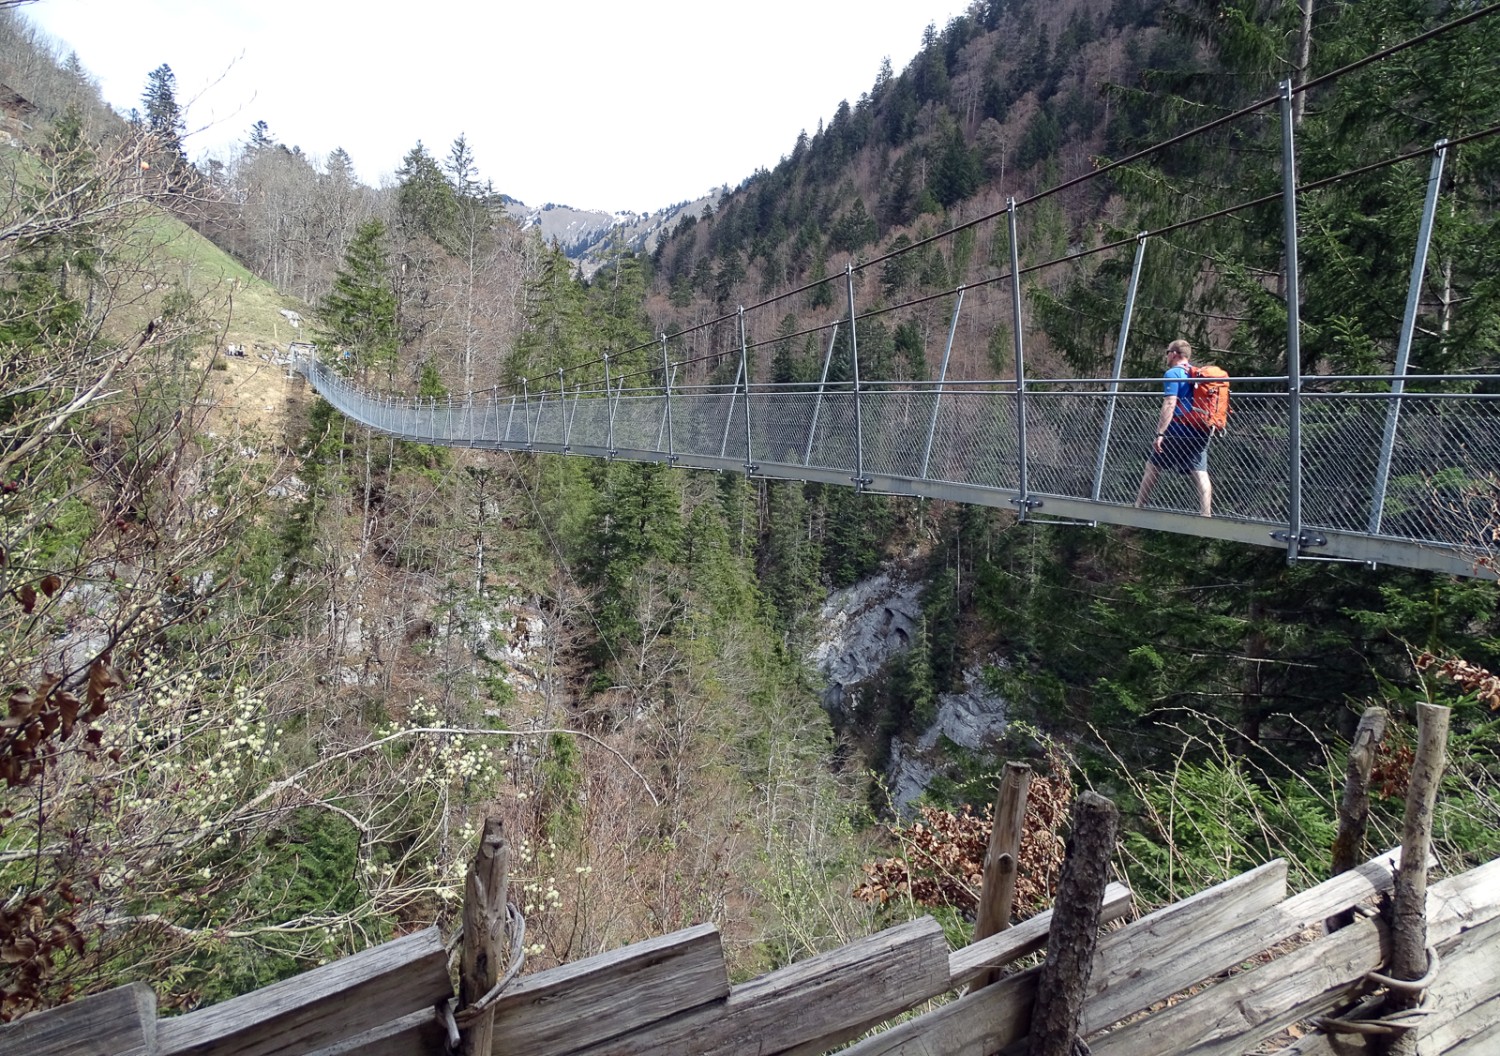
(1177,384)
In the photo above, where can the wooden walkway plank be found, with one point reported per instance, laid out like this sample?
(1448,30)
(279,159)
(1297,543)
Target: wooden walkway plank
(1244,1010)
(812,1005)
(586,1002)
(118,1022)
(318,1008)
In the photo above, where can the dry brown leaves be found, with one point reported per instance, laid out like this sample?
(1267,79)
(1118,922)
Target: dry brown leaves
(944,860)
(38,711)
(1471,678)
(32,935)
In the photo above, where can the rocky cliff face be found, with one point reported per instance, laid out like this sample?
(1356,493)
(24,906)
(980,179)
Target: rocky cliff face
(973,719)
(860,628)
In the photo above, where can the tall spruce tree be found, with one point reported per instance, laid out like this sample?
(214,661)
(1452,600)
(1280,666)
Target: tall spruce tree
(359,313)
(163,117)
(425,200)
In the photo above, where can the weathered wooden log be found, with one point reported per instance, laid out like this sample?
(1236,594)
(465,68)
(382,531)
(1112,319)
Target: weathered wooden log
(423,1033)
(1409,904)
(320,1007)
(622,992)
(1234,929)
(807,1007)
(118,1022)
(1142,960)
(986,956)
(1240,1012)
(1354,806)
(486,888)
(1464,1006)
(1075,927)
(997,898)
(1465,1001)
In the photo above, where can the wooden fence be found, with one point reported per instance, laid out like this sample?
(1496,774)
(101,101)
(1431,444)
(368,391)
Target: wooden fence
(1239,968)
(1225,971)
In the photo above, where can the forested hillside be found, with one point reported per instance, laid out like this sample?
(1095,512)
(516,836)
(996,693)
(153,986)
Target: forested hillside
(266,671)
(1135,649)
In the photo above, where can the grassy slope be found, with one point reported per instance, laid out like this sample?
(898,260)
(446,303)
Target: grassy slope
(244,310)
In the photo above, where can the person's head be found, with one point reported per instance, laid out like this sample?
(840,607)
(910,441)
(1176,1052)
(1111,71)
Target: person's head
(1179,351)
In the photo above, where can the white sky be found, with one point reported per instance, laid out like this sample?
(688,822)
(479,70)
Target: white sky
(596,104)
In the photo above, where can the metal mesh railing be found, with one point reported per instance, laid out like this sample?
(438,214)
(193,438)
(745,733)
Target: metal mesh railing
(1440,486)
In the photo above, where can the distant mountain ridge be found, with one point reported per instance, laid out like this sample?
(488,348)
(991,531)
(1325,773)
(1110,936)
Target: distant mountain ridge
(584,234)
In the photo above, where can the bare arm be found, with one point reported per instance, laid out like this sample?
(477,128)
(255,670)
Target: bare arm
(1164,419)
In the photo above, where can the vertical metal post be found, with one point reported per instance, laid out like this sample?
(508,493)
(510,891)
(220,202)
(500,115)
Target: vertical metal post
(448,422)
(666,380)
(609,398)
(860,480)
(729,418)
(1293,328)
(1403,344)
(568,422)
(526,409)
(937,398)
(1023,501)
(469,429)
(1114,374)
(745,373)
(812,428)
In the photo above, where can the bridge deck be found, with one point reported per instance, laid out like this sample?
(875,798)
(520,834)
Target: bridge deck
(1049,454)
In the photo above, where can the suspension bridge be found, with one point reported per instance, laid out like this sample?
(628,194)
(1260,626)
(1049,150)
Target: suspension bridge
(1400,479)
(1395,468)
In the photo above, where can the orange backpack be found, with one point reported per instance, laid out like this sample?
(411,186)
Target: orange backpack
(1210,410)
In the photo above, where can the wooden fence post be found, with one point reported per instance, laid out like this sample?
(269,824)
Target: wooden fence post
(1354,807)
(998,895)
(485,893)
(1409,958)
(1075,927)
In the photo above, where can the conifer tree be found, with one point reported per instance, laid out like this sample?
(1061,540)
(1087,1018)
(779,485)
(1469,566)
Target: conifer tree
(260,138)
(163,117)
(425,200)
(360,312)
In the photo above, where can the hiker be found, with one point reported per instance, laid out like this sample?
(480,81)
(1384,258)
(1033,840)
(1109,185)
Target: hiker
(1178,445)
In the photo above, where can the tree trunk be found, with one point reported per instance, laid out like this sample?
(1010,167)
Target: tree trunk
(485,894)
(1409,905)
(1075,929)
(1299,69)
(1354,808)
(998,896)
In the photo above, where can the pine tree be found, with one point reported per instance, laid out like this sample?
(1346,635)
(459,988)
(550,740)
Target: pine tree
(425,200)
(360,312)
(163,117)
(260,138)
